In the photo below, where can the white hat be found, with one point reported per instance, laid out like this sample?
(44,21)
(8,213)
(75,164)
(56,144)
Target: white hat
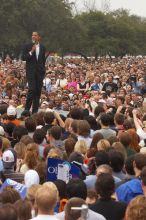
(2,132)
(9,158)
(11,110)
(31,177)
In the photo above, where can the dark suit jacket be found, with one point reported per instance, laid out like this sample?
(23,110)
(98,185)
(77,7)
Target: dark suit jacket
(32,64)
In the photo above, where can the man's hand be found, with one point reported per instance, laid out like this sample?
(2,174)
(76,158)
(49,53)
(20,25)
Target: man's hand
(33,48)
(134,111)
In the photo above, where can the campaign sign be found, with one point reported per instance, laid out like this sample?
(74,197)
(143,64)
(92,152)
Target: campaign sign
(17,186)
(61,169)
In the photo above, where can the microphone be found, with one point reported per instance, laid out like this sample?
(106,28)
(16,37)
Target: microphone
(34,43)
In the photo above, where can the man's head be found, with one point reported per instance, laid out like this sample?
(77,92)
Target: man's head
(35,37)
(120,101)
(46,198)
(125,139)
(105,119)
(105,185)
(73,208)
(103,169)
(9,158)
(119,119)
(139,162)
(97,79)
(76,188)
(54,133)
(110,79)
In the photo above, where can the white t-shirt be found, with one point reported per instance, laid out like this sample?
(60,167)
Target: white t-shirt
(141,133)
(61,83)
(45,217)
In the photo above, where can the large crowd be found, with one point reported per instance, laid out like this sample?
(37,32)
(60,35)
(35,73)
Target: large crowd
(92,115)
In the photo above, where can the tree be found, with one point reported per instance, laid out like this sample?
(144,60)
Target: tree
(52,18)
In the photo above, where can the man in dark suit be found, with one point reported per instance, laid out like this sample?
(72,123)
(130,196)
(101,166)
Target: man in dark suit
(34,55)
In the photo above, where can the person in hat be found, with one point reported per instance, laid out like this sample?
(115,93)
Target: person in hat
(9,159)
(12,116)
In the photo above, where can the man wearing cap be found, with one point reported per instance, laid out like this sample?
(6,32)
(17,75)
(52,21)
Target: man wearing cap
(12,114)
(9,159)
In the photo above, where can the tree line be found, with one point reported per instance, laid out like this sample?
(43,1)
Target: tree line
(93,33)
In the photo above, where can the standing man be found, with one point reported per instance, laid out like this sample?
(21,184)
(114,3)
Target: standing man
(34,55)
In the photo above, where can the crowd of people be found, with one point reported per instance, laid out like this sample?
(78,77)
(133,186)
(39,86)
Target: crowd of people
(91,114)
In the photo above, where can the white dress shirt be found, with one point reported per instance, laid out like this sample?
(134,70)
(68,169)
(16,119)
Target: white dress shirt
(37,50)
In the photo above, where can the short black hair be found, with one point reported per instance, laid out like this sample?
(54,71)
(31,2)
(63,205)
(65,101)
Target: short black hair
(30,124)
(61,186)
(76,188)
(19,131)
(39,136)
(101,157)
(105,185)
(105,119)
(76,113)
(92,122)
(116,160)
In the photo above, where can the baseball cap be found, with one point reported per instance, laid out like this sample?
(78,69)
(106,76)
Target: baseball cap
(11,111)
(31,177)
(2,132)
(9,158)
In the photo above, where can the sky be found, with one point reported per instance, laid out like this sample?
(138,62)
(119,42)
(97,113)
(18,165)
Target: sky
(137,7)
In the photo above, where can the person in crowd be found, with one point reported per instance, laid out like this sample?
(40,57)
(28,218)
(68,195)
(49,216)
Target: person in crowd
(30,196)
(132,188)
(23,208)
(77,188)
(103,145)
(105,205)
(62,81)
(20,149)
(105,130)
(110,86)
(91,196)
(74,209)
(54,137)
(9,195)
(82,85)
(117,163)
(97,85)
(30,159)
(83,131)
(8,212)
(31,177)
(39,138)
(125,139)
(136,209)
(46,200)
(30,125)
(9,159)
